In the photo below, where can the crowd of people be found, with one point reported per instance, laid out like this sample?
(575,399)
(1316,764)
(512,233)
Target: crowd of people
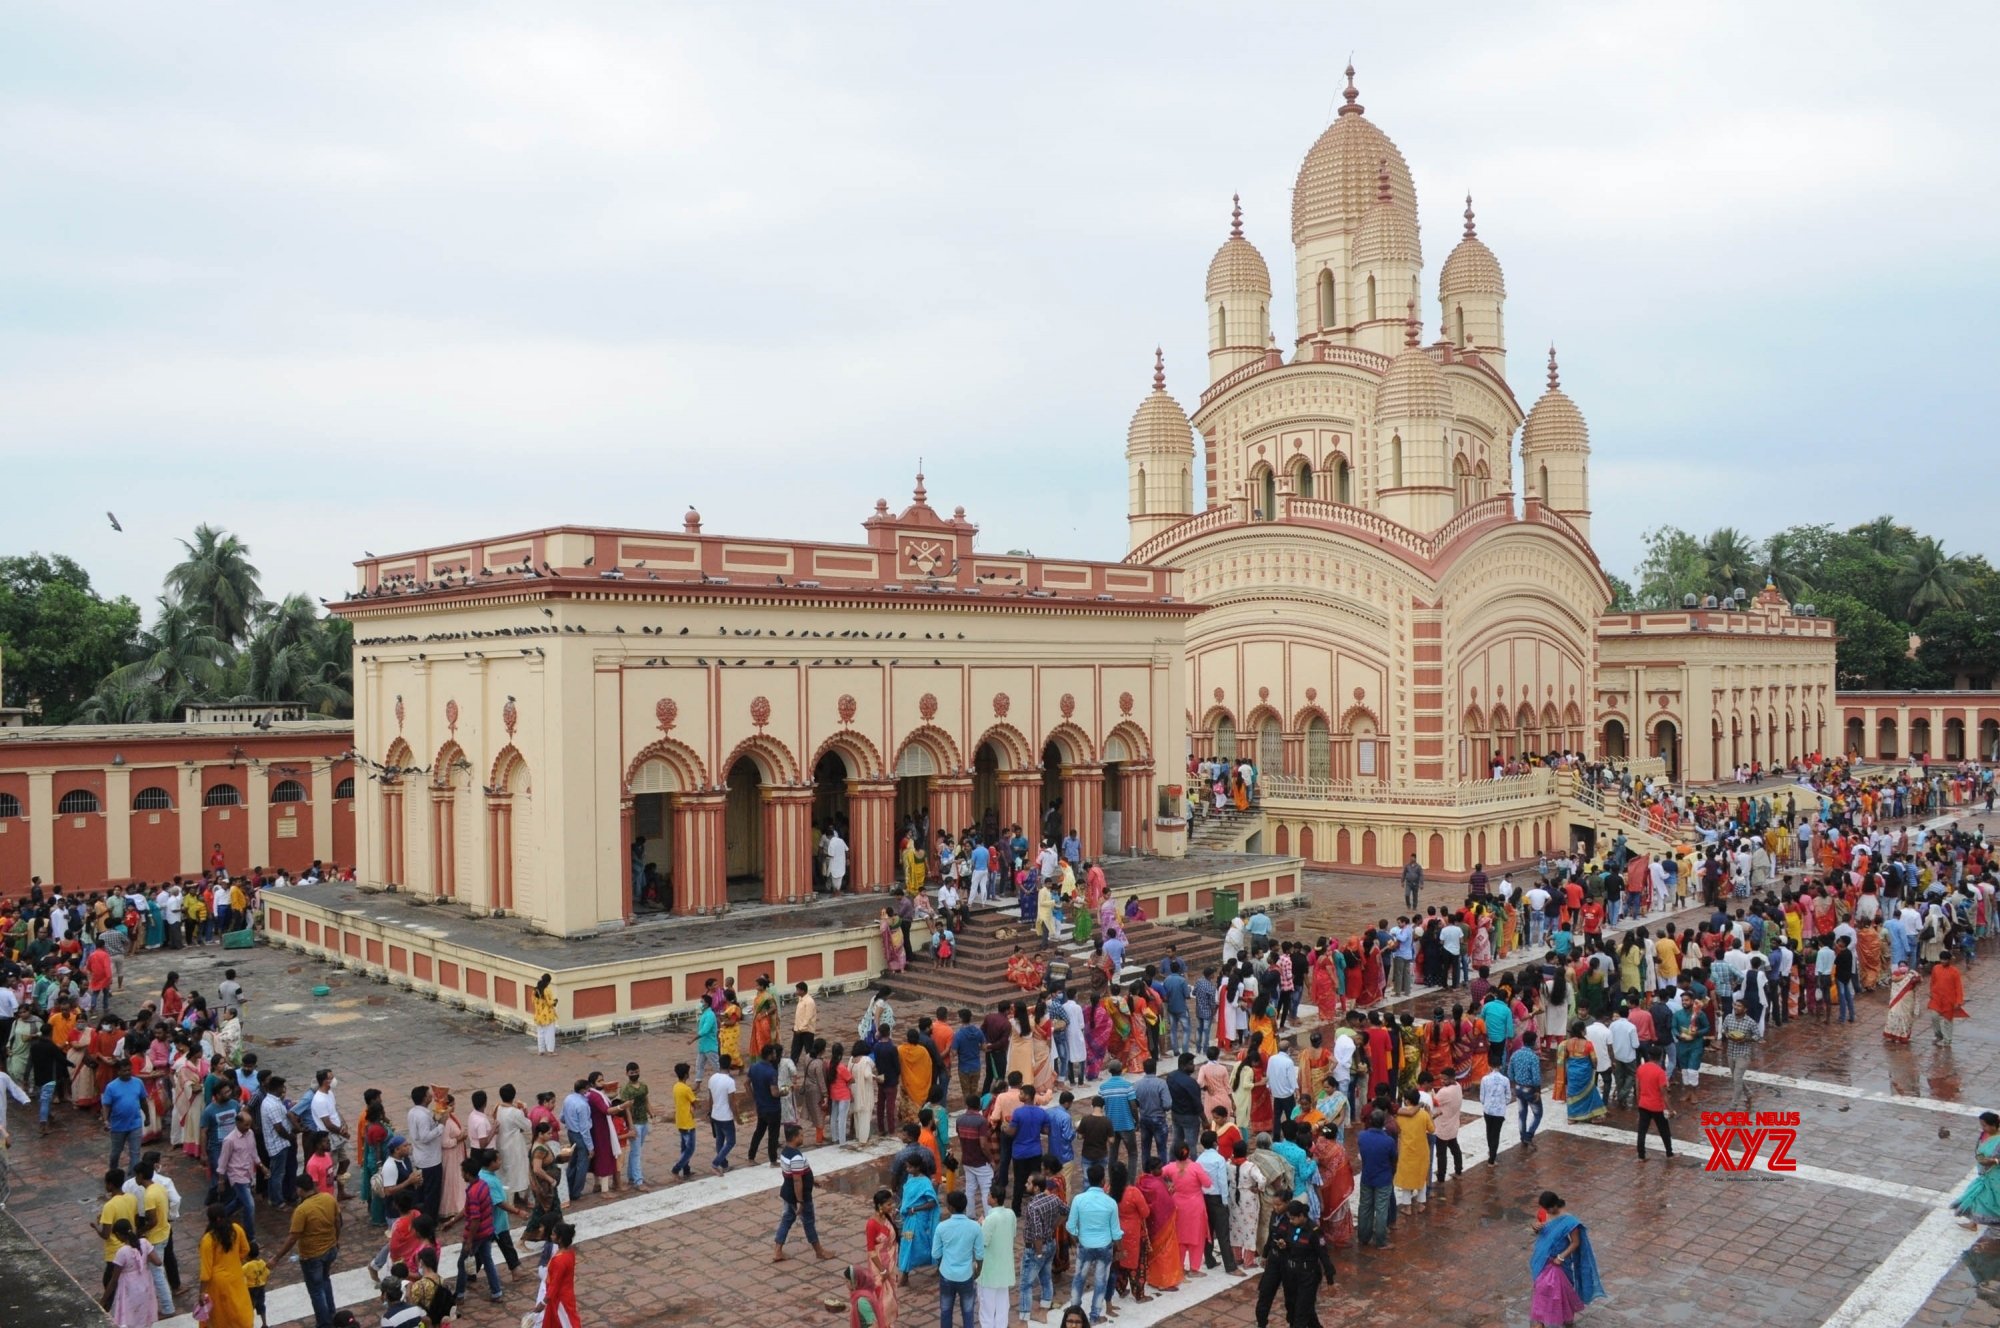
(1114,1133)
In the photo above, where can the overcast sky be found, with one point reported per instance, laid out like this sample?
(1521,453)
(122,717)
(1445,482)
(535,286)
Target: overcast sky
(374,277)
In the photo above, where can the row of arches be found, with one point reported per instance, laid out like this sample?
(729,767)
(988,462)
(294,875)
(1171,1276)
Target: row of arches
(1952,747)
(442,824)
(1335,483)
(1768,739)
(1342,845)
(1312,748)
(159,798)
(1327,301)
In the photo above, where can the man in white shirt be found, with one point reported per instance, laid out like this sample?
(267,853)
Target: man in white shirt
(1537,900)
(1496,1094)
(1452,937)
(1281,1075)
(1599,1036)
(274,1122)
(722,1115)
(1344,1042)
(836,860)
(1045,866)
(1624,1036)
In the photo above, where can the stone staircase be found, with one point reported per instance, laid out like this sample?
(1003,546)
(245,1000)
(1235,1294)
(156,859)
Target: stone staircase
(1227,831)
(978,977)
(1608,818)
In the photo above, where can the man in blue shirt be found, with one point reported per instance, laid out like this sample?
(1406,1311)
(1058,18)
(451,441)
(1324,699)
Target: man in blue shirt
(1406,952)
(1205,997)
(1499,1020)
(968,1048)
(1114,950)
(1155,1106)
(958,1245)
(1093,1224)
(1025,1128)
(1260,932)
(1378,1182)
(1072,849)
(982,878)
(764,1094)
(1174,989)
(1524,1071)
(1121,1110)
(123,1100)
(1062,1135)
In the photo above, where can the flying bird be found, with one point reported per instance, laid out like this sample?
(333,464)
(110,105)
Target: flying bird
(113,518)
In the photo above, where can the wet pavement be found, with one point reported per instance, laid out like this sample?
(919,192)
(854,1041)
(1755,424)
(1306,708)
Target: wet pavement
(1676,1244)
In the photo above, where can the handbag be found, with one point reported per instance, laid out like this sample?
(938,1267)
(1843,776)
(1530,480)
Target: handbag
(203,1308)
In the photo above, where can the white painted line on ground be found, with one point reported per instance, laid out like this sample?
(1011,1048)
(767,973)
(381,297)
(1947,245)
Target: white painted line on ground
(1890,1296)
(1848,1091)
(1885,1189)
(358,1286)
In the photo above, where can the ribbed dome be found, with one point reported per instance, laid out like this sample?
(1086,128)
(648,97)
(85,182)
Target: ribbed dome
(1237,266)
(1159,425)
(1336,184)
(1472,269)
(1414,388)
(1387,235)
(1555,424)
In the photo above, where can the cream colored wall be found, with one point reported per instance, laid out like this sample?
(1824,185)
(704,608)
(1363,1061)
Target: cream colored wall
(586,706)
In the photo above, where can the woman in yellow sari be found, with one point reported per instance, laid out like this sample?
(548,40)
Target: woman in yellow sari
(1239,792)
(913,868)
(1510,929)
(1263,1029)
(730,1036)
(913,1091)
(224,1247)
(763,1017)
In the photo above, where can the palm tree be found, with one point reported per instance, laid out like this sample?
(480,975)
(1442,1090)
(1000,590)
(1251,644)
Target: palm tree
(1886,536)
(1928,578)
(295,656)
(1785,566)
(122,701)
(181,656)
(218,578)
(1731,558)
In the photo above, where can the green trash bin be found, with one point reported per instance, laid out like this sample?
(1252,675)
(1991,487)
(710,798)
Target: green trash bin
(1226,904)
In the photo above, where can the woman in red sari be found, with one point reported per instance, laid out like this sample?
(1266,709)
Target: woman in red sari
(1441,1045)
(1133,1256)
(1163,1242)
(1470,1065)
(1351,980)
(1325,991)
(560,1289)
(1371,974)
(1336,1183)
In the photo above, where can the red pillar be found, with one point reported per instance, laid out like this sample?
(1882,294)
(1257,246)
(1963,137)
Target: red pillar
(1083,806)
(626,832)
(1021,803)
(951,804)
(871,825)
(699,882)
(787,814)
(1135,796)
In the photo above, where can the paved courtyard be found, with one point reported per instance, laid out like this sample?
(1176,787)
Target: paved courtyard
(1855,1237)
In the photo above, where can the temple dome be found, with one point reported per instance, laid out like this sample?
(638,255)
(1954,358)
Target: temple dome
(1159,425)
(1336,182)
(1471,269)
(1555,424)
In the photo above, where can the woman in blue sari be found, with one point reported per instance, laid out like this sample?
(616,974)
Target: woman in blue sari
(1690,1036)
(919,1215)
(1563,1266)
(1579,1061)
(1979,1206)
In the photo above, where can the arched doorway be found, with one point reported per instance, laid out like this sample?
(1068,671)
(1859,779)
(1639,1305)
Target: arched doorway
(1614,740)
(1885,738)
(510,853)
(1954,739)
(1667,746)
(1053,813)
(1989,739)
(1857,737)
(1920,738)
(915,768)
(986,790)
(1270,747)
(1319,749)
(1225,736)
(743,832)
(653,829)
(830,778)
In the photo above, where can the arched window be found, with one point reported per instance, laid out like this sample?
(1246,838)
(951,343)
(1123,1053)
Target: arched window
(1267,494)
(1319,749)
(1302,478)
(1343,481)
(1461,478)
(1458,316)
(1270,746)
(1225,737)
(223,795)
(345,788)
(1187,490)
(1396,461)
(10,806)
(1326,318)
(1371,299)
(153,800)
(1139,497)
(77,802)
(1221,325)
(287,790)
(1542,483)
(1263,324)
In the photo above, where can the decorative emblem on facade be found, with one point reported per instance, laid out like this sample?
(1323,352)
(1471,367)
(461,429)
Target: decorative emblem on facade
(1360,692)
(1312,693)
(665,711)
(1067,705)
(927,707)
(451,717)
(1000,705)
(925,556)
(760,711)
(509,715)
(399,712)
(1218,696)
(1124,703)
(846,707)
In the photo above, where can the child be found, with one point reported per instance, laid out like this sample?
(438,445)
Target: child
(319,1163)
(946,945)
(256,1274)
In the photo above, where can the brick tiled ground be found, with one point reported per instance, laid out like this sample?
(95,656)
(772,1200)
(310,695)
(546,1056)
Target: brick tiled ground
(1677,1245)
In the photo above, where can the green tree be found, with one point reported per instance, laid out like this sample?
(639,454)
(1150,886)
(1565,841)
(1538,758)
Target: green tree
(1959,643)
(1622,598)
(1789,564)
(181,658)
(1732,560)
(1927,578)
(294,654)
(58,636)
(218,580)
(1885,535)
(1873,650)
(1674,566)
